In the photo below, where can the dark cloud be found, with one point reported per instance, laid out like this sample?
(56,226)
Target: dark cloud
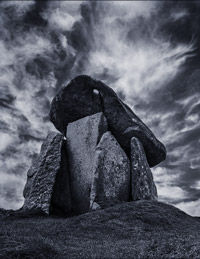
(34,16)
(147,51)
(6,100)
(184,20)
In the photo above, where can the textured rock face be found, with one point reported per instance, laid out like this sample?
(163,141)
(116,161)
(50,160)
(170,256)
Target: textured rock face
(143,187)
(82,138)
(47,174)
(111,180)
(84,96)
(31,175)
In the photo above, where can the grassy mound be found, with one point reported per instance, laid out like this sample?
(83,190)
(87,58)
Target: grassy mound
(143,229)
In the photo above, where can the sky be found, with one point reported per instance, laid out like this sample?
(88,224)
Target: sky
(147,51)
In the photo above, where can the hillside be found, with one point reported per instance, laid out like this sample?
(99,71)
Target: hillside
(143,229)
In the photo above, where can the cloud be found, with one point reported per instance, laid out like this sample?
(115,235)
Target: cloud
(62,15)
(172,191)
(196,185)
(192,207)
(19,7)
(166,181)
(5,140)
(140,67)
(11,189)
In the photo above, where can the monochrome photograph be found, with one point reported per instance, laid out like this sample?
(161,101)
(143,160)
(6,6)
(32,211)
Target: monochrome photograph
(99,129)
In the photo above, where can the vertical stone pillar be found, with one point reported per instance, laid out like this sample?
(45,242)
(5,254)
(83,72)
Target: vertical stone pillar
(143,186)
(82,138)
(48,171)
(111,181)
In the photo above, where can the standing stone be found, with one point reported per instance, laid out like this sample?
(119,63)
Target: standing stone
(47,172)
(82,138)
(143,186)
(111,181)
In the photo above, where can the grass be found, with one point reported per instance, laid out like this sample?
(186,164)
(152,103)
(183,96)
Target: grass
(143,229)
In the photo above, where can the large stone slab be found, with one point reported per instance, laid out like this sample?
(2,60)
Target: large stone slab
(48,174)
(111,181)
(82,138)
(143,186)
(84,96)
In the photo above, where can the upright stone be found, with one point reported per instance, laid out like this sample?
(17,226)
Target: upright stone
(82,138)
(143,186)
(111,181)
(45,175)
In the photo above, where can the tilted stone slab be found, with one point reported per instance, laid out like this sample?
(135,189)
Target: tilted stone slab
(82,138)
(111,181)
(49,171)
(143,186)
(84,96)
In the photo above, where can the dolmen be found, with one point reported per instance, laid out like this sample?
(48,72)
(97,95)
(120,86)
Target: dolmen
(101,157)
